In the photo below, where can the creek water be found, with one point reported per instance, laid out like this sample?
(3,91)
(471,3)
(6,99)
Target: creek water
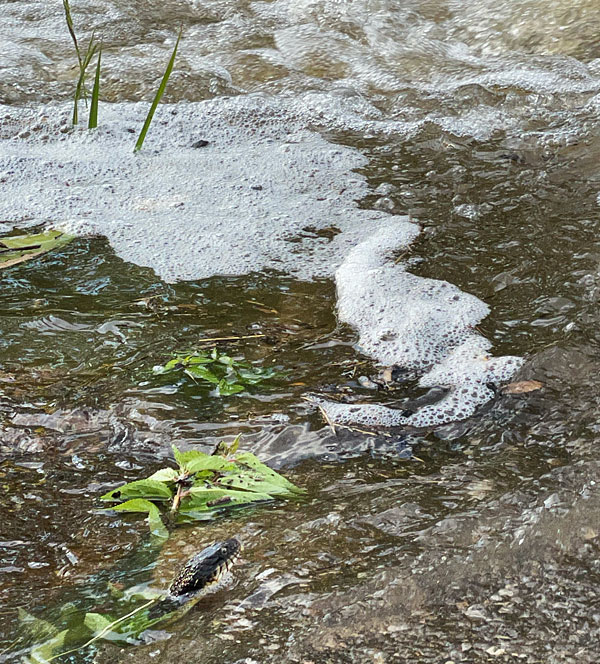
(472,542)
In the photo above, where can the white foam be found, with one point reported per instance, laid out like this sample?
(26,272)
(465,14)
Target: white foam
(238,205)
(422,324)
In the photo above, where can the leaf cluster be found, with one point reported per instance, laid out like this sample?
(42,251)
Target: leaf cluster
(228,375)
(201,486)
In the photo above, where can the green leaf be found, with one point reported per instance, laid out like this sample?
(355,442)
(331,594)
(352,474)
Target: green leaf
(245,482)
(43,653)
(171,365)
(93,121)
(195,371)
(157,527)
(19,248)
(36,628)
(269,475)
(194,461)
(164,475)
(255,376)
(96,622)
(204,499)
(148,488)
(226,389)
(198,359)
(159,94)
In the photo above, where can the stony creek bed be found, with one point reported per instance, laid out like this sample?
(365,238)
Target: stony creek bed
(462,138)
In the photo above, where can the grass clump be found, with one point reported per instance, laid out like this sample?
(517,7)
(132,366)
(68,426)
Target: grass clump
(84,61)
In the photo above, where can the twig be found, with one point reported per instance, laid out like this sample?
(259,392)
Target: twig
(329,422)
(247,336)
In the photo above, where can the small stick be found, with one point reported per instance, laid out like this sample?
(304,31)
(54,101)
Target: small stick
(329,422)
(248,336)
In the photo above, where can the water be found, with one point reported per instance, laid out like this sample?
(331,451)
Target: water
(474,541)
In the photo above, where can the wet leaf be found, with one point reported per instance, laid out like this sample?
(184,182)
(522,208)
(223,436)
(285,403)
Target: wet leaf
(148,488)
(202,373)
(43,653)
(201,498)
(19,248)
(255,376)
(194,461)
(269,475)
(226,389)
(36,628)
(522,387)
(164,475)
(157,527)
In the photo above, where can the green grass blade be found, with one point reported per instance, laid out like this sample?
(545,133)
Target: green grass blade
(71,29)
(159,94)
(80,90)
(93,121)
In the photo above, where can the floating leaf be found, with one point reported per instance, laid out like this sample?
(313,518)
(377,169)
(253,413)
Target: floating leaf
(522,387)
(157,527)
(19,248)
(148,488)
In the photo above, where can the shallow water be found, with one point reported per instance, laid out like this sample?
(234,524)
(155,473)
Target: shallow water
(477,541)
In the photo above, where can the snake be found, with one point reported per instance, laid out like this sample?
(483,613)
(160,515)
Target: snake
(200,572)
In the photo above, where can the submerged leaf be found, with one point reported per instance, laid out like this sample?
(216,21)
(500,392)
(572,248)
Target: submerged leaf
(36,628)
(43,653)
(226,389)
(522,387)
(157,527)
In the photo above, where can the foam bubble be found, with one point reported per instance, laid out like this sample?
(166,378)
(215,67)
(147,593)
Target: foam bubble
(237,205)
(421,324)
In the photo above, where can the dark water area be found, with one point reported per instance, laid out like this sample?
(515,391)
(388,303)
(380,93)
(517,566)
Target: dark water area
(474,542)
